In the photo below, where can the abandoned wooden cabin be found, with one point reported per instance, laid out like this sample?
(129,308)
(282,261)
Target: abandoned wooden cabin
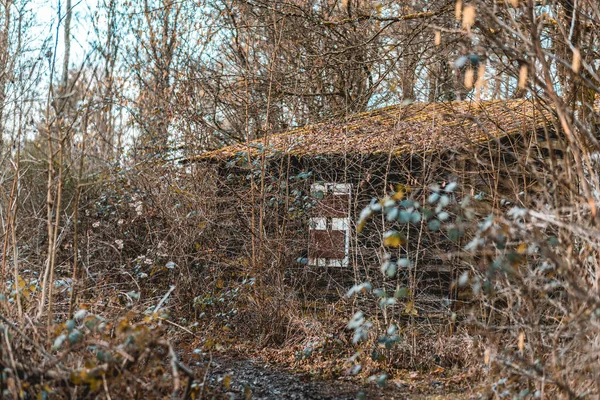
(299,194)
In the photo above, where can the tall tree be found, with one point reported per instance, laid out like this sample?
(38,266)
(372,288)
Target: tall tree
(156,31)
(5,25)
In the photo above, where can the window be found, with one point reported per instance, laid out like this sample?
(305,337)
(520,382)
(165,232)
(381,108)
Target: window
(329,227)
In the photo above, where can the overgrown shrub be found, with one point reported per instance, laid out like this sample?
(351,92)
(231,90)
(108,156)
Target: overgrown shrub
(532,320)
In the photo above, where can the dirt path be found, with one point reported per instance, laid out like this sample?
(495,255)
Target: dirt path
(253,379)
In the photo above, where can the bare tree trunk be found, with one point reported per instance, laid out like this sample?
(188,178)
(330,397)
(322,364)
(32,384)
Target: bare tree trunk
(75,273)
(110,58)
(63,145)
(67,40)
(158,46)
(54,197)
(4,70)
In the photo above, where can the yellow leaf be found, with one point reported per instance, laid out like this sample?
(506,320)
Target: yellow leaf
(576,64)
(361,224)
(393,239)
(458,10)
(522,248)
(521,343)
(469,76)
(523,76)
(468,17)
(480,77)
(410,308)
(76,378)
(219,284)
(95,384)
(227,381)
(400,191)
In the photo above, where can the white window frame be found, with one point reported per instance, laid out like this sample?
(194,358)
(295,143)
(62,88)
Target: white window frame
(336,223)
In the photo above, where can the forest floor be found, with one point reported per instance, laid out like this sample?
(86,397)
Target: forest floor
(236,377)
(238,368)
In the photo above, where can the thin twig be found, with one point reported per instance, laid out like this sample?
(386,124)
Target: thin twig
(165,297)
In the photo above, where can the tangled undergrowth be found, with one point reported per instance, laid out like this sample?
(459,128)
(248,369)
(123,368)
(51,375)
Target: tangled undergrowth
(157,280)
(92,356)
(161,289)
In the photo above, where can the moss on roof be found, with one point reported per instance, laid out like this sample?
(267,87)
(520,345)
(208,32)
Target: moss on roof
(399,129)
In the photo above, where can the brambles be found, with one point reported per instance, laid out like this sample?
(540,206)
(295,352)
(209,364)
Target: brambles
(203,172)
(91,354)
(527,275)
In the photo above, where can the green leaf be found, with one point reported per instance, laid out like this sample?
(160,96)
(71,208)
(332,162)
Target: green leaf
(415,217)
(427,213)
(434,224)
(375,355)
(58,342)
(404,217)
(361,288)
(134,295)
(403,262)
(70,324)
(80,314)
(365,214)
(453,233)
(401,292)
(357,320)
(450,187)
(407,203)
(391,270)
(392,214)
(444,201)
(103,356)
(75,336)
(464,278)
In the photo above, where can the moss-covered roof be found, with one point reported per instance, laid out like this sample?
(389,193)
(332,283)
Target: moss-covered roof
(399,129)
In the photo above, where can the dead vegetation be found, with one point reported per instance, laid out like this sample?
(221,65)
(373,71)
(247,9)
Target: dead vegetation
(137,247)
